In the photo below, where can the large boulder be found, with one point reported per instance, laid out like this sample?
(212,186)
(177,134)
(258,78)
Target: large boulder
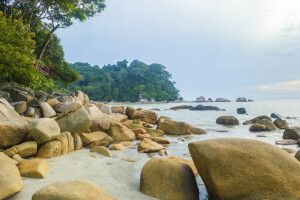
(227,120)
(12,125)
(53,102)
(237,169)
(43,130)
(147,145)
(100,120)
(169,180)
(24,150)
(154,132)
(119,117)
(184,161)
(11,181)
(292,133)
(74,118)
(120,133)
(104,141)
(145,115)
(179,128)
(281,124)
(48,111)
(64,143)
(72,190)
(50,149)
(35,168)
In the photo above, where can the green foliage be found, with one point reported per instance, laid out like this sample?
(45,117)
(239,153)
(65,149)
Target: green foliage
(124,83)
(54,55)
(17,60)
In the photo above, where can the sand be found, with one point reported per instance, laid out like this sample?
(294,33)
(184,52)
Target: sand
(118,177)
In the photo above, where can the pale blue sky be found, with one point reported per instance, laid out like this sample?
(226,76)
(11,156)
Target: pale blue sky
(216,48)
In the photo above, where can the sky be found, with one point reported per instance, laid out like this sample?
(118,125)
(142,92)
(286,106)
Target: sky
(215,48)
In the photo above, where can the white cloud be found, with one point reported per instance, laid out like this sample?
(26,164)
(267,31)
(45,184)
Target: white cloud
(290,86)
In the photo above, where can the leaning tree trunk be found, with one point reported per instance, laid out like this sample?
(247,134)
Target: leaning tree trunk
(40,56)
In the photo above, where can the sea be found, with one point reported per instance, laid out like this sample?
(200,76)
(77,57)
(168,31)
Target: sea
(288,109)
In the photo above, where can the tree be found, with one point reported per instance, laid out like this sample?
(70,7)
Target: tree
(59,13)
(124,83)
(17,60)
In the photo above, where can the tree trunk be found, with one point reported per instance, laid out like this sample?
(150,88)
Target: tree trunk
(40,56)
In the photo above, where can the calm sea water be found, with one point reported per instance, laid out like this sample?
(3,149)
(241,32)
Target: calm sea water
(207,120)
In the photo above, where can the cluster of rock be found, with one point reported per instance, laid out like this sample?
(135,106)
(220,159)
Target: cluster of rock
(202,99)
(198,107)
(243,99)
(264,172)
(66,123)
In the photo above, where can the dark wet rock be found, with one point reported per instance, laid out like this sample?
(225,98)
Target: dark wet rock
(276,116)
(227,120)
(247,123)
(5,95)
(241,111)
(201,107)
(250,100)
(292,133)
(222,100)
(20,94)
(200,99)
(257,119)
(241,99)
(269,125)
(183,107)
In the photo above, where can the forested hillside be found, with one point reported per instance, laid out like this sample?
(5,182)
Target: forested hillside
(121,82)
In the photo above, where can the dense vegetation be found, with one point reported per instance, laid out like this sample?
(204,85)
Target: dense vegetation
(28,41)
(121,82)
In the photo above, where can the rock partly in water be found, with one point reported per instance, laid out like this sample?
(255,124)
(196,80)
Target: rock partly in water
(241,111)
(185,161)
(169,180)
(257,127)
(205,108)
(241,99)
(179,128)
(286,142)
(35,168)
(269,125)
(292,133)
(281,124)
(257,119)
(276,116)
(222,100)
(72,190)
(256,176)
(247,123)
(227,120)
(43,130)
(118,147)
(11,181)
(183,107)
